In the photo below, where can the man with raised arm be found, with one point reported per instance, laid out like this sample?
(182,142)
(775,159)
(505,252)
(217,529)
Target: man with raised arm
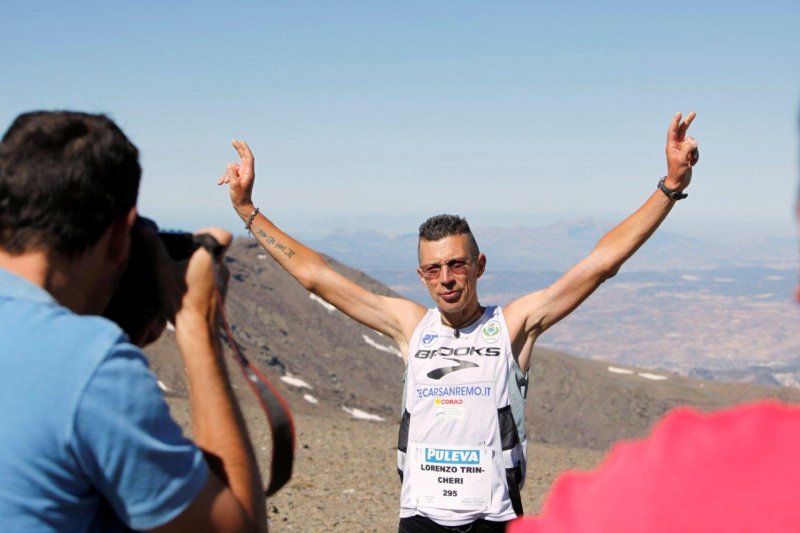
(86,439)
(462,443)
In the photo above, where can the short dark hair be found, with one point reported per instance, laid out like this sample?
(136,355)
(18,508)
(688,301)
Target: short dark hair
(441,226)
(64,177)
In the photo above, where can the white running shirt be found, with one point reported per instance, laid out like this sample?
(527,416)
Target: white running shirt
(462,447)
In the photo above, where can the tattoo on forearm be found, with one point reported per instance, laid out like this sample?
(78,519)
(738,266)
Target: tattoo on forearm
(285,249)
(269,240)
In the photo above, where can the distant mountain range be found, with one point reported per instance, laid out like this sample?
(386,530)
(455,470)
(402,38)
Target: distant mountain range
(692,306)
(556,247)
(328,365)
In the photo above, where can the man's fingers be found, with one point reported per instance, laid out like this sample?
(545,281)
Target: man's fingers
(223,237)
(688,151)
(248,152)
(231,172)
(243,150)
(691,150)
(689,145)
(237,145)
(672,131)
(677,129)
(685,125)
(248,160)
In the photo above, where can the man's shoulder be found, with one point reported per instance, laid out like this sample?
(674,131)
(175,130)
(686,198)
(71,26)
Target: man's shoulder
(85,332)
(53,335)
(25,304)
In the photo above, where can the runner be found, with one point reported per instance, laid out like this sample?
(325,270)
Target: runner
(462,444)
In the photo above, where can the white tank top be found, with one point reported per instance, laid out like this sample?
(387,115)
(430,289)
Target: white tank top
(462,448)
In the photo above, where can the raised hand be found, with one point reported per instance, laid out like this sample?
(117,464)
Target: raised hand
(682,153)
(240,178)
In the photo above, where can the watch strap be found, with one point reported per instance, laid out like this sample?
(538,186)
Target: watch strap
(672,195)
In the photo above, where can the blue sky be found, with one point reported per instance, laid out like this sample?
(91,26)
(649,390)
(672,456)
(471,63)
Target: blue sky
(507,112)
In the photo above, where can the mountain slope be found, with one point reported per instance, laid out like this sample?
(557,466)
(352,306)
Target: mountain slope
(323,363)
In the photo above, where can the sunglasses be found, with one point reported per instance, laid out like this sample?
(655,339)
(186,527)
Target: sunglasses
(458,265)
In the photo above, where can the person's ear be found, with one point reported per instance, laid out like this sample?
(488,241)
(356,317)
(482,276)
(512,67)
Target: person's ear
(119,243)
(480,265)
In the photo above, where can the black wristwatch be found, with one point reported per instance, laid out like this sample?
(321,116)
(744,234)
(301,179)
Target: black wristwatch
(672,195)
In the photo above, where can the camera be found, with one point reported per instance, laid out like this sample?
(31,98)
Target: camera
(137,305)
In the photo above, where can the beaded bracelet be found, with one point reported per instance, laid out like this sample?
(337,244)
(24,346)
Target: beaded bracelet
(250,221)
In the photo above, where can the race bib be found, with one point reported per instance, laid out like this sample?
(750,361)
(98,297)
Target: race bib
(451,477)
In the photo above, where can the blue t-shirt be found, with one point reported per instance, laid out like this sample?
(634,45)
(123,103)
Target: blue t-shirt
(86,439)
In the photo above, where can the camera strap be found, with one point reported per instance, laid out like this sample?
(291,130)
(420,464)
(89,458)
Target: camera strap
(277,410)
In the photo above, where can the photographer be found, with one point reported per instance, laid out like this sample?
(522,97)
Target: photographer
(86,439)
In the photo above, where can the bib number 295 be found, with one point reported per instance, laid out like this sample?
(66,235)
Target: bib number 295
(447,492)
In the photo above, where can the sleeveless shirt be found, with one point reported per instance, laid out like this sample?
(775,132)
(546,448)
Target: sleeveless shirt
(462,448)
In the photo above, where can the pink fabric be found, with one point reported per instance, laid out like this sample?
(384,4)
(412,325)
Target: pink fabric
(732,470)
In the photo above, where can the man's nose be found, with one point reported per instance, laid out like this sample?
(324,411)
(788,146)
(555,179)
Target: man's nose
(446,275)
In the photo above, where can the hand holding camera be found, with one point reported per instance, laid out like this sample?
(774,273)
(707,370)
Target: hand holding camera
(205,278)
(168,273)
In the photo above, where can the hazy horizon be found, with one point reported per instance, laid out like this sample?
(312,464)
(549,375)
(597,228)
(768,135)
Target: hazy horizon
(316,225)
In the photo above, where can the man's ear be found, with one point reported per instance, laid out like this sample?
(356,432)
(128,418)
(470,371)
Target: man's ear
(119,243)
(421,276)
(481,265)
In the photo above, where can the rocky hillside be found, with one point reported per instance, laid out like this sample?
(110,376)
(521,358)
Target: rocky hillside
(326,364)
